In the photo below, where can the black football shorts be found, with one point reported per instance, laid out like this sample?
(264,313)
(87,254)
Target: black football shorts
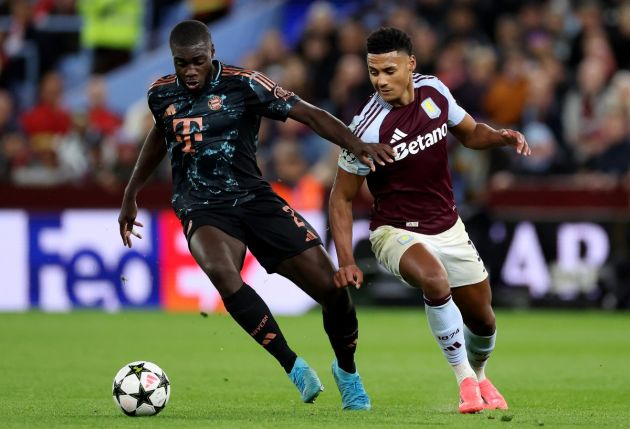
(267,225)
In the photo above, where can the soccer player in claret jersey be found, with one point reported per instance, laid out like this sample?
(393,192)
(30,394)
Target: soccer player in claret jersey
(207,117)
(416,232)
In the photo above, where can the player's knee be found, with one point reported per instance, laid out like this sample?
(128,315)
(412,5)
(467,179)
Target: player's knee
(224,278)
(434,285)
(484,324)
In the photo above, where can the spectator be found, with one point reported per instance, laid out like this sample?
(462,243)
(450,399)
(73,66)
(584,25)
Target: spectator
(584,110)
(349,87)
(317,48)
(19,49)
(48,118)
(541,104)
(112,29)
(293,181)
(590,17)
(13,148)
(54,42)
(208,11)
(426,45)
(620,38)
(101,119)
(351,38)
(481,64)
(505,99)
(613,150)
(545,152)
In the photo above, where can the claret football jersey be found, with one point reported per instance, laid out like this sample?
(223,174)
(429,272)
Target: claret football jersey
(212,136)
(414,192)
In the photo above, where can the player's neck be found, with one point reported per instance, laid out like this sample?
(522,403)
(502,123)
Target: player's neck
(406,98)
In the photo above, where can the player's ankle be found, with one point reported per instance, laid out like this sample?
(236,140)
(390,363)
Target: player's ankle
(463,371)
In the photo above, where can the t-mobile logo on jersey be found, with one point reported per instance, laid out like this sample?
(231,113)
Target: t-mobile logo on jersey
(421,142)
(188,133)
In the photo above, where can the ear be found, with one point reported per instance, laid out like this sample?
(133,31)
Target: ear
(412,63)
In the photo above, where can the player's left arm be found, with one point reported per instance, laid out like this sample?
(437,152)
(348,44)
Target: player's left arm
(477,135)
(332,129)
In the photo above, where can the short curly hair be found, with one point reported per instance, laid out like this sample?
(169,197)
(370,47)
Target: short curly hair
(190,32)
(388,39)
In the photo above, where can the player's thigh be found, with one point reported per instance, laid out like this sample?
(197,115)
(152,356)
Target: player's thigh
(275,232)
(459,256)
(475,304)
(410,258)
(312,271)
(220,256)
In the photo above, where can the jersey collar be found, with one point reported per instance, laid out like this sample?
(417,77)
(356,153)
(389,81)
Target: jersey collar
(218,67)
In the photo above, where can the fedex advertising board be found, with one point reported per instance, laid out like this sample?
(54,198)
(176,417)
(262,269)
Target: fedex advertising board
(58,261)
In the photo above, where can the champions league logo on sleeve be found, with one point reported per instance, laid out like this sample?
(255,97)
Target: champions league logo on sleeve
(348,156)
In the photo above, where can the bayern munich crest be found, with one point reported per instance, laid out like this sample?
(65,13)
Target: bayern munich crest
(215,102)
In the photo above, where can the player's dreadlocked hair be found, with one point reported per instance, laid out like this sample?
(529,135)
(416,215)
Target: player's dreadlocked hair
(188,33)
(388,39)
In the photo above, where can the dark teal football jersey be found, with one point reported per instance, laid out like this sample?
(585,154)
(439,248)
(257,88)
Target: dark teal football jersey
(212,135)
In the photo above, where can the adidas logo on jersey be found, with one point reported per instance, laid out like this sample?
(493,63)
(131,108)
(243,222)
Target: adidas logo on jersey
(421,142)
(397,136)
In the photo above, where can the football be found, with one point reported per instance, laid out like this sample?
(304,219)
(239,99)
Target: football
(141,388)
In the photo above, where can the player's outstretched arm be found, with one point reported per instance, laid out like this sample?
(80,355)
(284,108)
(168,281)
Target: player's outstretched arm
(151,154)
(344,190)
(477,135)
(332,129)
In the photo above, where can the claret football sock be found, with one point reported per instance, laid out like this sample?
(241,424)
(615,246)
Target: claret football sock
(252,314)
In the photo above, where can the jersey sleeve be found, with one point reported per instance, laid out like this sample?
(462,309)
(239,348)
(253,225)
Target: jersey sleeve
(152,102)
(269,99)
(348,161)
(455,112)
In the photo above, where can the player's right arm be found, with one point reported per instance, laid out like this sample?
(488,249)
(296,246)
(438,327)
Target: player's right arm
(152,152)
(345,188)
(332,129)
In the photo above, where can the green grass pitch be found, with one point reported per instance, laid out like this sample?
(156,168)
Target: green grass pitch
(556,369)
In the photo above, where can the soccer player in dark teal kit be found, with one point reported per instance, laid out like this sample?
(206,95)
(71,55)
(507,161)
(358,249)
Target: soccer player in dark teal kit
(207,117)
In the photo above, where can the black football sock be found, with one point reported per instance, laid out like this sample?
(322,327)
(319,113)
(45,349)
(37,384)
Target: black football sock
(342,327)
(250,311)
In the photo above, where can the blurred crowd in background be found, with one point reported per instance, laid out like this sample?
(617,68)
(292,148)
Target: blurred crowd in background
(557,70)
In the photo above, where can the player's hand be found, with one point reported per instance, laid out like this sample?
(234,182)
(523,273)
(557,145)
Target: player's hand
(127,220)
(348,275)
(517,140)
(370,152)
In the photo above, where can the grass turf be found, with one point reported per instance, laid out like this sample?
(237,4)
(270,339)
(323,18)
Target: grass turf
(556,369)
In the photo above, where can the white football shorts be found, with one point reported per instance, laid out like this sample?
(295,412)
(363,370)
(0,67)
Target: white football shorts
(453,248)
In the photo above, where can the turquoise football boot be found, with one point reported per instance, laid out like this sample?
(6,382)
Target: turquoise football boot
(306,380)
(353,394)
